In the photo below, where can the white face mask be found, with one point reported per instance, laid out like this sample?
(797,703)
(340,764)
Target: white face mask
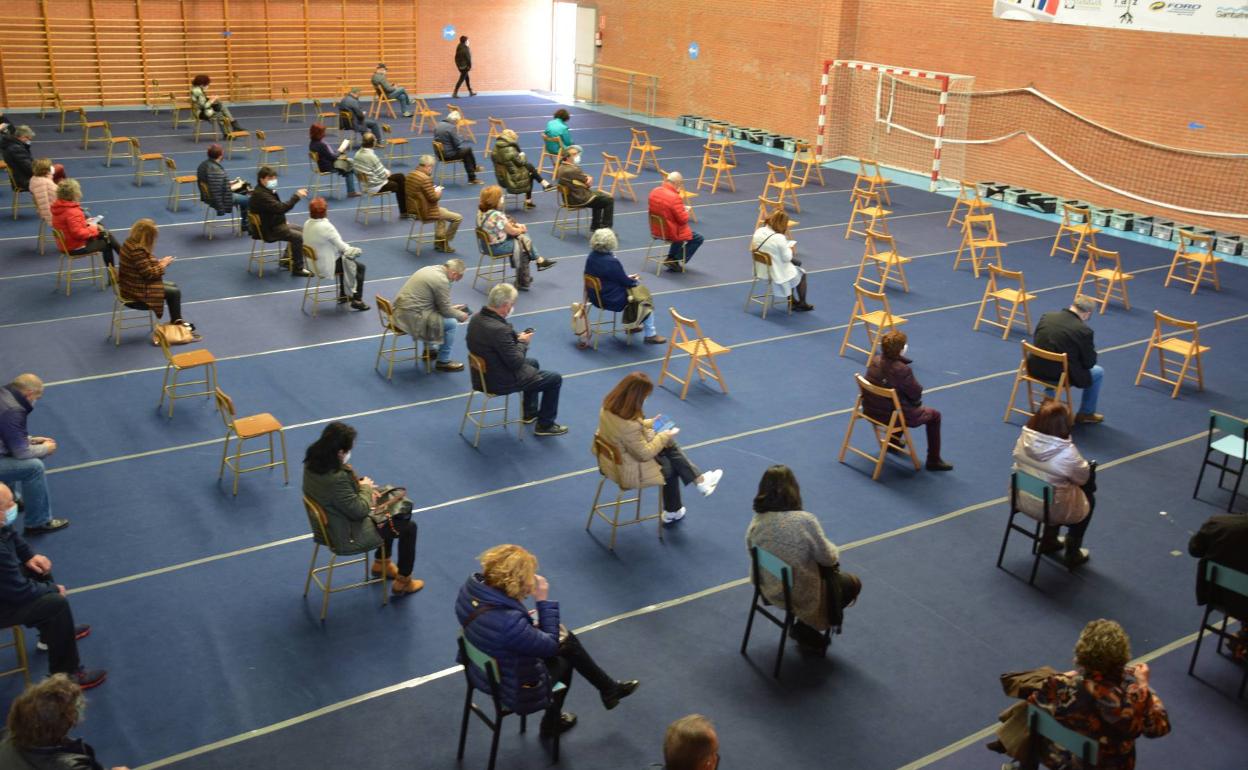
(346,458)
(10,515)
(271,184)
(576,159)
(905,348)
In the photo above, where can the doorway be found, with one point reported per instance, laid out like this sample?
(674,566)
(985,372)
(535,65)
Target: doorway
(572,43)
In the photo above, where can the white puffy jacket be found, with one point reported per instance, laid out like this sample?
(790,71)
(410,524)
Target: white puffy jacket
(1057,461)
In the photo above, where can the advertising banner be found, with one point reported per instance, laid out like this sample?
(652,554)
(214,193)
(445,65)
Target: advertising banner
(1224,18)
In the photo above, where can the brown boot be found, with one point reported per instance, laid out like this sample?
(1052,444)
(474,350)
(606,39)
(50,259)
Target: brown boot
(404,584)
(380,565)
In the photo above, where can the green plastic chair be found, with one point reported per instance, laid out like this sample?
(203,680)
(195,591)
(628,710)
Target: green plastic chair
(779,569)
(1020,482)
(1226,579)
(1233,445)
(1041,724)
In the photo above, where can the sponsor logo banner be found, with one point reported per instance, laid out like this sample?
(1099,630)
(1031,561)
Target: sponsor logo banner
(1223,19)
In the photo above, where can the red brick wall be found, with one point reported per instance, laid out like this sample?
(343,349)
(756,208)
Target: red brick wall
(510,43)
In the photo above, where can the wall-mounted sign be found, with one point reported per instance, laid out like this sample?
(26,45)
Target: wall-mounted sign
(694,50)
(448,32)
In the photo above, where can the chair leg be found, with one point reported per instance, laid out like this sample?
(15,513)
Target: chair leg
(328,587)
(1035,564)
(463,724)
(498,729)
(1009,524)
(307,584)
(1191,666)
(749,622)
(784,637)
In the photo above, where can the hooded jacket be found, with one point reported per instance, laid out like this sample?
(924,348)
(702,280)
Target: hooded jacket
(513,175)
(67,217)
(1057,461)
(17,155)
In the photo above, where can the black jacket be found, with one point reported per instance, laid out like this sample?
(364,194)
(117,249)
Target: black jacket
(1064,332)
(16,589)
(463,57)
(272,211)
(17,155)
(507,369)
(1224,539)
(211,174)
(74,754)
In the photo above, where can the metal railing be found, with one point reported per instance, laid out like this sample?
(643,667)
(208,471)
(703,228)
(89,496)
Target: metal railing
(633,80)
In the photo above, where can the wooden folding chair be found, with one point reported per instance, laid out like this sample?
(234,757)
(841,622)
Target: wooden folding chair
(804,158)
(699,348)
(440,173)
(370,203)
(390,332)
(68,274)
(1023,376)
(762,272)
(644,148)
(381,101)
(314,181)
(767,207)
(111,143)
(18,203)
(715,157)
(869,212)
(327,118)
(65,112)
(1168,338)
(778,180)
(259,255)
(612,169)
(46,100)
(869,172)
(1107,282)
(422,113)
(141,161)
(874,322)
(556,157)
(497,127)
(398,148)
(268,152)
(179,110)
(607,453)
(969,202)
(240,430)
(1005,298)
(1200,263)
(659,258)
(177,363)
(979,242)
(686,196)
(290,105)
(599,326)
(891,435)
(568,215)
(88,126)
(880,251)
(1076,227)
(177,182)
(238,141)
(719,137)
(463,126)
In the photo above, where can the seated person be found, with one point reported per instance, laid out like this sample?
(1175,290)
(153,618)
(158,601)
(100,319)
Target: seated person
(650,458)
(1224,539)
(781,527)
(788,278)
(375,177)
(505,236)
(350,502)
(424,196)
(1067,331)
(446,133)
(224,194)
(398,93)
(39,723)
(891,369)
(515,173)
(1045,450)
(606,267)
(29,597)
(360,122)
(81,235)
(15,148)
(557,129)
(334,256)
(1105,698)
(667,202)
(423,309)
(532,649)
(141,276)
(508,367)
(43,189)
(272,212)
(579,190)
(327,157)
(691,744)
(22,455)
(210,108)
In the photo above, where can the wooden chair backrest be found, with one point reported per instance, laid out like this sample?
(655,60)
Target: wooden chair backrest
(1075,215)
(260,135)
(682,329)
(1162,322)
(1048,355)
(776,174)
(593,283)
(603,448)
(171,165)
(254,220)
(969,192)
(875,235)
(437,150)
(866,389)
(225,405)
(975,222)
(164,345)
(497,124)
(385,315)
(318,517)
(1195,243)
(997,274)
(134,145)
(309,255)
(477,370)
(877,296)
(1096,254)
(610,164)
(556,139)
(762,258)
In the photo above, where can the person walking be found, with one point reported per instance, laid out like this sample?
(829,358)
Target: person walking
(463,62)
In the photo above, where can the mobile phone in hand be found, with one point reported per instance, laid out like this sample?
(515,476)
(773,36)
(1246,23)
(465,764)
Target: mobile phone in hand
(529,330)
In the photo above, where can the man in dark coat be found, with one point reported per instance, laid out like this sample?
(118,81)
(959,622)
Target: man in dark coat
(446,133)
(891,369)
(223,194)
(360,122)
(508,369)
(1223,539)
(463,62)
(15,148)
(1066,331)
(272,212)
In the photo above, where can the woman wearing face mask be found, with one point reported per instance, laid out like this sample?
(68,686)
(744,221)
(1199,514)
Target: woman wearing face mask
(348,500)
(891,369)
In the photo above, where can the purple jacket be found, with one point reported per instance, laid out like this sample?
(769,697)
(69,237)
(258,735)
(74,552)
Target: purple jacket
(14,439)
(894,373)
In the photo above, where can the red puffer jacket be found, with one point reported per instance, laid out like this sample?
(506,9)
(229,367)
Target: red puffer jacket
(67,217)
(666,201)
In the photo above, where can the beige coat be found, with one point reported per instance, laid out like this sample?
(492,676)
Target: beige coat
(43,190)
(423,302)
(638,445)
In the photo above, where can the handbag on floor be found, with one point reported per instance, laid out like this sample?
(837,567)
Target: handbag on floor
(175,334)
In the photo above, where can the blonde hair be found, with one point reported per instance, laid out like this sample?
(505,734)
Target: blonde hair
(491,196)
(1103,647)
(69,190)
(510,135)
(142,234)
(510,569)
(41,167)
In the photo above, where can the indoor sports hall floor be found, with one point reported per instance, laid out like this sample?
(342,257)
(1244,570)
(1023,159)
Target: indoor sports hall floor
(195,596)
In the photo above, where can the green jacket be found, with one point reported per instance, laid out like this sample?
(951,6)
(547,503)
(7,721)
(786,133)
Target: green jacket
(513,175)
(347,504)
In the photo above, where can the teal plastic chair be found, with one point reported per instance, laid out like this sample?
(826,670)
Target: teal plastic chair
(779,569)
(1020,482)
(1042,725)
(1231,446)
(470,655)
(1226,579)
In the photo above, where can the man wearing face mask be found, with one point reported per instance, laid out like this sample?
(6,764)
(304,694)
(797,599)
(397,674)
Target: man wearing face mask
(29,597)
(272,212)
(891,369)
(21,454)
(579,188)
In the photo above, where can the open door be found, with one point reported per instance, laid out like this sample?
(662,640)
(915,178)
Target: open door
(572,43)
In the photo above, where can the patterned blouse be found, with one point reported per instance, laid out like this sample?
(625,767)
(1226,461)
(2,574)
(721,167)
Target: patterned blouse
(493,222)
(1113,712)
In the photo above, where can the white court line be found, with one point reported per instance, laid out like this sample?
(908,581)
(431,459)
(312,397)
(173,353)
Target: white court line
(650,609)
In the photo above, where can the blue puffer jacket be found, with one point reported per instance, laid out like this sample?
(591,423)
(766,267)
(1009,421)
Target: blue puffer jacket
(507,634)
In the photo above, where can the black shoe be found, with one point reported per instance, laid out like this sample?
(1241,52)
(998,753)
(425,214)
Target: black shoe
(449,366)
(803,307)
(622,690)
(343,299)
(301,273)
(1076,556)
(87,678)
(554,429)
(81,631)
(528,419)
(545,264)
(455,95)
(938,465)
(472,93)
(358,304)
(52,525)
(567,720)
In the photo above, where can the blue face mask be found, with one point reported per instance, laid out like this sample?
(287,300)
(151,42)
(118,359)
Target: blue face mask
(10,515)
(271,184)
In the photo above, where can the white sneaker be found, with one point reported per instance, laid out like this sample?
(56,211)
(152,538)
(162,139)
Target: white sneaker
(710,480)
(673,516)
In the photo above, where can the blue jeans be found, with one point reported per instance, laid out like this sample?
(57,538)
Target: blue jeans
(349,178)
(686,247)
(648,326)
(241,202)
(546,386)
(449,327)
(1091,394)
(34,487)
(400,96)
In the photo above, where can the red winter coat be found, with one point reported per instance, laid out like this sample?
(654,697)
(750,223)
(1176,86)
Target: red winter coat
(666,201)
(67,217)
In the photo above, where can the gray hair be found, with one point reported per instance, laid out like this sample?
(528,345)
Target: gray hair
(675,177)
(604,240)
(455,265)
(1084,304)
(27,383)
(454,115)
(24,131)
(501,294)
(425,160)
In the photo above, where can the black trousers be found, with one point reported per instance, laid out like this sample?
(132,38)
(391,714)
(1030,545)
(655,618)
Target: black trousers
(397,185)
(463,81)
(677,470)
(292,234)
(50,614)
(534,176)
(104,242)
(572,657)
(406,535)
(359,279)
(603,208)
(173,298)
(467,156)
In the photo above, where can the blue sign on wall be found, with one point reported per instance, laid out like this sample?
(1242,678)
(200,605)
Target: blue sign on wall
(448,32)
(694,50)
